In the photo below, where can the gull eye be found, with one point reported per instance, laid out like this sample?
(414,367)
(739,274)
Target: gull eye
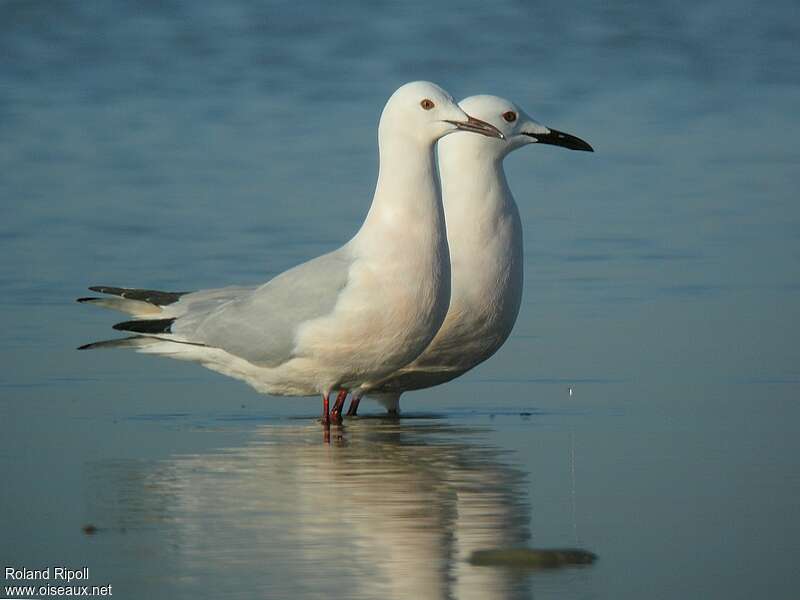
(427,104)
(510,116)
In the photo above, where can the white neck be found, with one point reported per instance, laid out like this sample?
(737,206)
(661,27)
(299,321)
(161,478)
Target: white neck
(407,196)
(484,230)
(476,192)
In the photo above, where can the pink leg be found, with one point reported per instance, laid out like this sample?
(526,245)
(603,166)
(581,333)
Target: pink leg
(326,419)
(336,413)
(353,410)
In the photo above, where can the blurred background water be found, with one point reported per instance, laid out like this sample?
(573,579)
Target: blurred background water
(181,145)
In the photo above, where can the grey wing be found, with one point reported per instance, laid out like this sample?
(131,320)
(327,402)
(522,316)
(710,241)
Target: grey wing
(193,305)
(260,325)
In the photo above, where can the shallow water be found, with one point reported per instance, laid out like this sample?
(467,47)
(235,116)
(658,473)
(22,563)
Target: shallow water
(179,145)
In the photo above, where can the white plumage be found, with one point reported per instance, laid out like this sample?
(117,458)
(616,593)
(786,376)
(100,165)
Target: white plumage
(344,320)
(484,235)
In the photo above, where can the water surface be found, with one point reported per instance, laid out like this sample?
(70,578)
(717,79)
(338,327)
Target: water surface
(180,145)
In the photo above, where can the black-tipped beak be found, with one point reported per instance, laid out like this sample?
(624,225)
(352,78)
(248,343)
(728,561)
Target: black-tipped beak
(477,126)
(559,138)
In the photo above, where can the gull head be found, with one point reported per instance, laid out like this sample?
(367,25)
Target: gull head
(425,112)
(517,127)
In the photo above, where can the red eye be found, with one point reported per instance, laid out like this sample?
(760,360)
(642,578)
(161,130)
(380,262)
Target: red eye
(510,116)
(427,104)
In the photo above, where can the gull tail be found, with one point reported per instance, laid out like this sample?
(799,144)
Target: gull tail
(133,301)
(136,308)
(151,326)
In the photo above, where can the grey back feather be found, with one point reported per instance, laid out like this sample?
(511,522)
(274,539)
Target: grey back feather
(260,324)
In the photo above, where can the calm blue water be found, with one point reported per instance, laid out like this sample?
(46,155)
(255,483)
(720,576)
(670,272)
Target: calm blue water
(182,145)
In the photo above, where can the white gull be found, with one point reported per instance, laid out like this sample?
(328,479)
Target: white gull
(342,321)
(484,234)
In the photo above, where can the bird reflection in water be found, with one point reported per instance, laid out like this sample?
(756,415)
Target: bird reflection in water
(390,509)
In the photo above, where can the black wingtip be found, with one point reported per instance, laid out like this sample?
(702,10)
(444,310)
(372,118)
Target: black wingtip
(128,342)
(86,299)
(146,326)
(155,297)
(93,345)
